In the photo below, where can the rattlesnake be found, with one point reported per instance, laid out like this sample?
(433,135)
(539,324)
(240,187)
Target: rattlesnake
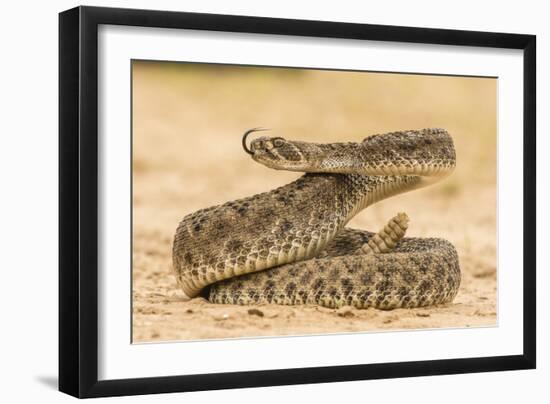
(290,245)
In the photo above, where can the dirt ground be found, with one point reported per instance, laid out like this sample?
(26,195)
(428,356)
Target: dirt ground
(187,127)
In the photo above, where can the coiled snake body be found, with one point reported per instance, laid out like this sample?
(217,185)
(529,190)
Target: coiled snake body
(290,245)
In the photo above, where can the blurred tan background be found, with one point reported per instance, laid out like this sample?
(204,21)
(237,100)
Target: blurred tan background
(188,120)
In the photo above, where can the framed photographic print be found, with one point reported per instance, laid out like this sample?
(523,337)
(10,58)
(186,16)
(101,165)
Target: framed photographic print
(251,201)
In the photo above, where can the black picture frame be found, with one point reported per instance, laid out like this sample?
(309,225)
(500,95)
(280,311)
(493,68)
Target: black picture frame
(78,201)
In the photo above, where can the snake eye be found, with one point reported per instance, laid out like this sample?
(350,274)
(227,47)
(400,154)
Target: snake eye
(278,142)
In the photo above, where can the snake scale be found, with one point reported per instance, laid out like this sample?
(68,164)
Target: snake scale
(290,245)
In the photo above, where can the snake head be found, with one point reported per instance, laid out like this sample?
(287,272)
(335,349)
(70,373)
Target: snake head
(293,155)
(279,153)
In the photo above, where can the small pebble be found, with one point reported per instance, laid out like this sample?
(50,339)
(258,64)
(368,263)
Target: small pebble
(223,317)
(256,312)
(422,315)
(346,314)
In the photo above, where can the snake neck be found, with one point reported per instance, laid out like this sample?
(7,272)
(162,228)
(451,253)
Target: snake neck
(332,200)
(364,190)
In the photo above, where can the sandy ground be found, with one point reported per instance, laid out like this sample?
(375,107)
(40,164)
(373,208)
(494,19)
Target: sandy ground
(187,124)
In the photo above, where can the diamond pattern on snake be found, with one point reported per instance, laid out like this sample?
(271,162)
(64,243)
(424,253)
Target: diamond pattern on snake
(291,246)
